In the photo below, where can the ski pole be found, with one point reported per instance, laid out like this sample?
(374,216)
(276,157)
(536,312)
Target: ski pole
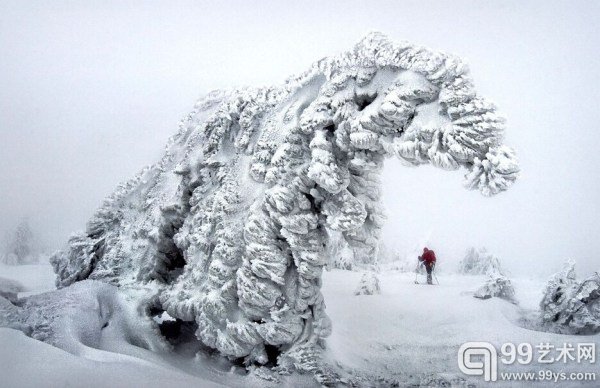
(436,279)
(417,273)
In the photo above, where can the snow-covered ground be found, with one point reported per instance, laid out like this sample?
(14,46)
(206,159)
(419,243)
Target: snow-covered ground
(36,278)
(409,334)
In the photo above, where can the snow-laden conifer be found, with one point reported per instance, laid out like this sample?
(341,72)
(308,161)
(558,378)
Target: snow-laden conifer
(231,227)
(569,305)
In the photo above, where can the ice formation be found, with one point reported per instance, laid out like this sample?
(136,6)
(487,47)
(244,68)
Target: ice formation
(230,228)
(571,306)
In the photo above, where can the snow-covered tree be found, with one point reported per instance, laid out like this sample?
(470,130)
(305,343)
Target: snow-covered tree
(497,284)
(569,305)
(479,262)
(232,225)
(368,285)
(339,252)
(21,246)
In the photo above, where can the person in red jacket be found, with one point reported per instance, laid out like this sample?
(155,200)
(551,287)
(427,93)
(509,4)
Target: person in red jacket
(428,260)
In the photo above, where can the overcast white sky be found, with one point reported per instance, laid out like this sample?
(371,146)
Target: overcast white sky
(90,93)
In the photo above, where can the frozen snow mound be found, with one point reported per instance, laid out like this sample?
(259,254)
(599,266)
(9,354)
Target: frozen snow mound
(87,314)
(497,285)
(369,285)
(570,306)
(231,226)
(10,315)
(10,289)
(479,262)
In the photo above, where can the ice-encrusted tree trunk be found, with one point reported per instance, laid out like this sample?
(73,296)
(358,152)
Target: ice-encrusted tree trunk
(232,226)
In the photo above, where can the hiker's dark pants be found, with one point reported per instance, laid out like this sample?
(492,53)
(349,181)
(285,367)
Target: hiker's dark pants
(429,269)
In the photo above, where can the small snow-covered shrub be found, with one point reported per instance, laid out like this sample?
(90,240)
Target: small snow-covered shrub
(479,262)
(497,285)
(368,285)
(570,306)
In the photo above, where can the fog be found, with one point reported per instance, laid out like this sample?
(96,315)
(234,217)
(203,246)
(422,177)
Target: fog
(89,95)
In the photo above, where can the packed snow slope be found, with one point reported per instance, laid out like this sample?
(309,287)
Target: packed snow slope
(230,228)
(407,335)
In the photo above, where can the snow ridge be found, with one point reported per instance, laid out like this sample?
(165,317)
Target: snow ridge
(231,226)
